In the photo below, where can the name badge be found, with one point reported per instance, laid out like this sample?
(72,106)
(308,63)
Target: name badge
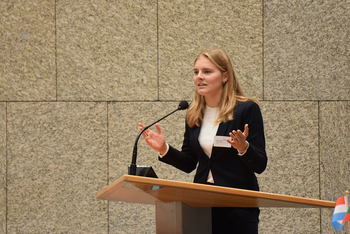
(220,141)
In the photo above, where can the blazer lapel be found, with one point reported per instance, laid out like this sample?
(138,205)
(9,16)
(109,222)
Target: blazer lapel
(223,129)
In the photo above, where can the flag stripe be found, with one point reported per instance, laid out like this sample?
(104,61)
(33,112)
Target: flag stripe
(346,217)
(340,210)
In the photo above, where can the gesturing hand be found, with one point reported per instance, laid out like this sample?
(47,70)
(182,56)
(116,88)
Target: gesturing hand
(155,140)
(238,139)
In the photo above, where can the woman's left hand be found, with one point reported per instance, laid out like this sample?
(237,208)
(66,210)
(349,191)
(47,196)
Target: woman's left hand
(238,139)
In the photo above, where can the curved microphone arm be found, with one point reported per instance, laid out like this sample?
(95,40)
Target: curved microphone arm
(182,106)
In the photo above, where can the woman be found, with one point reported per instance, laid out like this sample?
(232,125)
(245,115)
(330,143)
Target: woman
(219,109)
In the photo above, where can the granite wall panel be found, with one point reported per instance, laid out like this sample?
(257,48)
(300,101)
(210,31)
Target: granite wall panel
(306,50)
(27,45)
(107,50)
(187,27)
(334,155)
(57,156)
(123,118)
(2,167)
(291,130)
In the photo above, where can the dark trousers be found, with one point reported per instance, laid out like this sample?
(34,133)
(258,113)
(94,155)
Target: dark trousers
(234,220)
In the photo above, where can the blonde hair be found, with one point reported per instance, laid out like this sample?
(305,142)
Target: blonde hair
(231,95)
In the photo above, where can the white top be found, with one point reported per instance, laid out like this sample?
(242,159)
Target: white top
(208,132)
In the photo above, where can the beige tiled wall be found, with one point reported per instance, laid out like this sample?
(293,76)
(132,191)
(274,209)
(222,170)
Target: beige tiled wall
(106,50)
(291,130)
(187,27)
(76,78)
(306,50)
(56,163)
(2,167)
(28,55)
(123,121)
(334,152)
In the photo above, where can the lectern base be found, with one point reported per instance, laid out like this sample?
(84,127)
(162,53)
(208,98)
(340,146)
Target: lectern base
(179,218)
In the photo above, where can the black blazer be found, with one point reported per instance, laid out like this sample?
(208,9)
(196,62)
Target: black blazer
(228,169)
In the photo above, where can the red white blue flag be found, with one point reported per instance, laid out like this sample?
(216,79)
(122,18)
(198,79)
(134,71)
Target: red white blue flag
(339,213)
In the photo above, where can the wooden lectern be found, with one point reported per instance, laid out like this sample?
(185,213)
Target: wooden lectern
(183,207)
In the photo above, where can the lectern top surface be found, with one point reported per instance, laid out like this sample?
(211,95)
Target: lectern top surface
(146,190)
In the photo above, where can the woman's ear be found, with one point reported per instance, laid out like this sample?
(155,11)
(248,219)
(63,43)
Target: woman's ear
(225,77)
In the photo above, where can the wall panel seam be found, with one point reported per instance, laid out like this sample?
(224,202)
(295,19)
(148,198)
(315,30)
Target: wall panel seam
(108,203)
(262,51)
(319,161)
(55,18)
(6,169)
(158,57)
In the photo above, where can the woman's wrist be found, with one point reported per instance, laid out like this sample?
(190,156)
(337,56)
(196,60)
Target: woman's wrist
(164,150)
(241,153)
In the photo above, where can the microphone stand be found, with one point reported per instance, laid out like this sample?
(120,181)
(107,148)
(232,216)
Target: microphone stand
(144,170)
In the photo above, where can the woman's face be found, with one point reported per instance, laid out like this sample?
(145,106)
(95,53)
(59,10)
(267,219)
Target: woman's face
(208,80)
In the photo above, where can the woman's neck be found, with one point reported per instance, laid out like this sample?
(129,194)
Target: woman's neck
(212,102)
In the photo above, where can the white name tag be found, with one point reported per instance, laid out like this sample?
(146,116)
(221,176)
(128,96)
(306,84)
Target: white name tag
(220,141)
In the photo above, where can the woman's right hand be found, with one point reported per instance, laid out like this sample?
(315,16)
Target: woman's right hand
(155,140)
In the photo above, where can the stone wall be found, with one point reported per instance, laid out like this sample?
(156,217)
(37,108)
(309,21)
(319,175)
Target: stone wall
(76,77)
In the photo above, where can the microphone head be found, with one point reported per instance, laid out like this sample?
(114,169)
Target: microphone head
(183,105)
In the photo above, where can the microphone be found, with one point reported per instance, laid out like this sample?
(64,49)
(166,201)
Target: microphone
(147,170)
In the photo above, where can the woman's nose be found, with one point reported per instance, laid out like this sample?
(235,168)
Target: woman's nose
(200,75)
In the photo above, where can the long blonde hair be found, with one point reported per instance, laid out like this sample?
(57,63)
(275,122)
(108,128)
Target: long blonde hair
(231,94)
